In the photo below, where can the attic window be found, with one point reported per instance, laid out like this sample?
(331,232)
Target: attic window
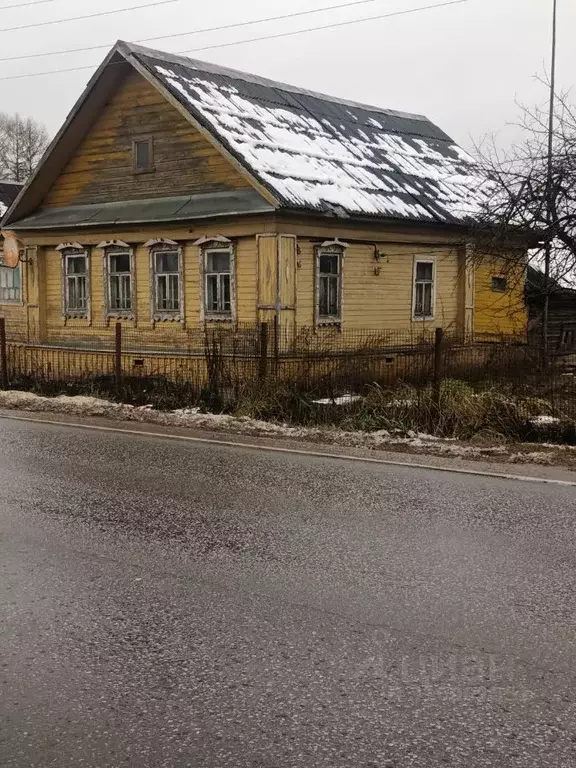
(143,154)
(499,284)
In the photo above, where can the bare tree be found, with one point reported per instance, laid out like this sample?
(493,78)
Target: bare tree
(23,141)
(523,207)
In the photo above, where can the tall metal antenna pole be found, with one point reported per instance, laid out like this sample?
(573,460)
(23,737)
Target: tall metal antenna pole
(549,180)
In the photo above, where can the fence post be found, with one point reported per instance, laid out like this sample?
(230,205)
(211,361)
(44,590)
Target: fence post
(263,369)
(276,342)
(437,376)
(3,353)
(118,359)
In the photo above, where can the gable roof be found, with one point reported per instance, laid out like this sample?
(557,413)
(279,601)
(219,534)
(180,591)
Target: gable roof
(302,151)
(320,153)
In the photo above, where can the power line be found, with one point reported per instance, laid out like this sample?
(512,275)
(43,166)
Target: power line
(328,26)
(25,5)
(193,32)
(91,16)
(257,39)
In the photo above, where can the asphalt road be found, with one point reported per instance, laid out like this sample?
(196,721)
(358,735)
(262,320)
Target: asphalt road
(167,604)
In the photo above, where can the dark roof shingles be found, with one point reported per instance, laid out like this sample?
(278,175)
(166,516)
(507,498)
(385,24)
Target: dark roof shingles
(319,153)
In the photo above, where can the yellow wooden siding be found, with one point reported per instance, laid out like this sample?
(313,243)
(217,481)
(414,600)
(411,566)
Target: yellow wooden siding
(378,295)
(101,170)
(499,313)
(246,285)
(97,325)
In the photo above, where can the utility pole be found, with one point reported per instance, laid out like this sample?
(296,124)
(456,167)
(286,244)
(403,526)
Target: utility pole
(549,182)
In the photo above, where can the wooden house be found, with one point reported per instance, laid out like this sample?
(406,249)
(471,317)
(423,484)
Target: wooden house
(561,312)
(179,193)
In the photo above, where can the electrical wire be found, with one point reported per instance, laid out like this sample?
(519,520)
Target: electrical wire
(90,16)
(194,31)
(254,39)
(25,5)
(329,26)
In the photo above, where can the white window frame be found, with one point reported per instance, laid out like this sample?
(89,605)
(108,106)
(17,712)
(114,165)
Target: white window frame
(205,251)
(118,250)
(170,246)
(329,249)
(11,270)
(423,318)
(69,251)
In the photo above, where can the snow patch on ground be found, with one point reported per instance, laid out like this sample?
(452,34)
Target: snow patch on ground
(342,400)
(193,418)
(543,420)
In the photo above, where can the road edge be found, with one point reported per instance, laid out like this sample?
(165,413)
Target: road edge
(261,445)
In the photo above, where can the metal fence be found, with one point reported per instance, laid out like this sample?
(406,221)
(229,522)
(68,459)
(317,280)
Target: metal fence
(328,361)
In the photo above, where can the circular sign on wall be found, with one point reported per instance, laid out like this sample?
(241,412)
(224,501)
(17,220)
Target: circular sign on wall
(11,248)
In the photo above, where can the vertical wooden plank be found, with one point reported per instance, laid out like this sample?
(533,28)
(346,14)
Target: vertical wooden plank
(287,264)
(267,277)
(469,293)
(287,286)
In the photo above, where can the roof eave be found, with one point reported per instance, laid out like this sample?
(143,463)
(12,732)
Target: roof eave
(466,227)
(23,227)
(13,211)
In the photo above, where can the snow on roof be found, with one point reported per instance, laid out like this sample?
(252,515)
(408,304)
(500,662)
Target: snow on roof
(318,153)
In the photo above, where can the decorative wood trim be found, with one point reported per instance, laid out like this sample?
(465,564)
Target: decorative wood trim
(117,246)
(70,246)
(424,260)
(18,268)
(214,239)
(203,250)
(332,247)
(76,250)
(155,246)
(113,244)
(336,241)
(160,241)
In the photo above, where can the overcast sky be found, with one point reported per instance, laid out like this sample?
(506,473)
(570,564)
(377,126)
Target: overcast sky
(463,66)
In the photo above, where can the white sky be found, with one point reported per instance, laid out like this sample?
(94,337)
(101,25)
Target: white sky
(463,66)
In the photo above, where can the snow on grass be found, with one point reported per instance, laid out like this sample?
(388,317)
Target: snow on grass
(544,420)
(342,400)
(193,418)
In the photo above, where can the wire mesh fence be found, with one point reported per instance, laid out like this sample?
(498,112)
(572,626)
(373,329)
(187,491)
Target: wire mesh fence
(218,363)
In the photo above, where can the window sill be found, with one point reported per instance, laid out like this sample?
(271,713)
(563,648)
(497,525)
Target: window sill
(140,171)
(72,315)
(327,322)
(11,303)
(218,318)
(120,315)
(167,317)
(423,318)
